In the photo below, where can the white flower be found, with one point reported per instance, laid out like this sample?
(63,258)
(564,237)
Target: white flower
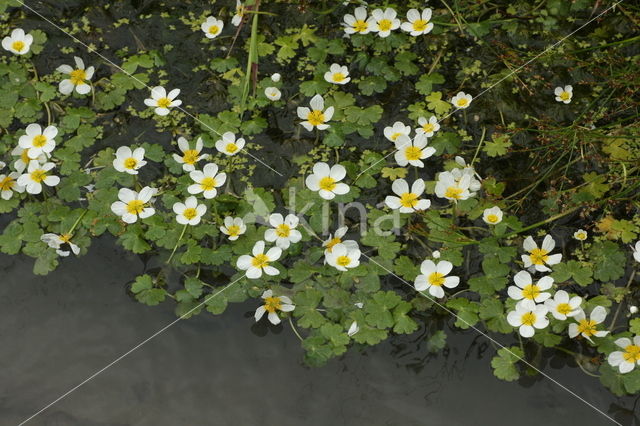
(492,216)
(626,360)
(273,304)
(528,316)
(474,184)
(412,151)
(434,276)
(326,180)
(258,263)
(133,205)
(448,187)
(59,243)
(240,12)
(229,145)
(343,257)
(9,185)
(275,77)
(580,235)
(384,22)
(212,27)
(18,43)
(564,94)
(636,251)
(78,78)
(283,231)
(189,213)
(38,141)
(273,93)
(539,258)
(163,101)
(336,239)
(418,24)
(337,74)
(233,227)
(561,306)
(407,201)
(428,127)
(129,161)
(189,156)
(588,327)
(206,181)
(317,116)
(36,176)
(23,158)
(353,329)
(398,129)
(461,100)
(436,254)
(633,309)
(359,23)
(526,289)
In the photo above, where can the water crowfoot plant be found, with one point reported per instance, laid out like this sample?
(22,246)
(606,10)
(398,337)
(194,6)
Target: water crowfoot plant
(293,175)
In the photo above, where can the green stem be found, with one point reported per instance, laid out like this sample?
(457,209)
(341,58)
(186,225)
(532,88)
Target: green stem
(177,244)
(75,224)
(615,316)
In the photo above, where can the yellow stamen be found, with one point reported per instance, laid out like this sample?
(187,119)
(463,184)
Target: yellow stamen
(531,291)
(631,353)
(208,183)
(420,25)
(18,45)
(587,327)
(190,156)
(65,238)
(272,304)
(38,175)
(565,96)
(436,279)
(135,207)
(528,319)
(214,29)
(231,147)
(564,308)
(327,183)
(454,192)
(360,26)
(493,218)
(384,25)
(343,261)
(332,243)
(78,76)
(233,230)
(283,230)
(413,153)
(315,117)
(190,213)
(260,261)
(130,163)
(7,183)
(463,102)
(338,77)
(409,200)
(538,256)
(163,102)
(39,141)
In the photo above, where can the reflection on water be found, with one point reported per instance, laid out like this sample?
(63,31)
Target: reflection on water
(227,370)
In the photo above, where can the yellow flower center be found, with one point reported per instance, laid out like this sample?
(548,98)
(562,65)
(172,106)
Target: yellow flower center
(565,96)
(272,304)
(39,141)
(530,291)
(135,207)
(384,24)
(539,256)
(413,153)
(164,102)
(78,76)
(343,261)
(420,25)
(214,29)
(7,183)
(463,102)
(631,353)
(24,156)
(436,279)
(190,156)
(130,163)
(240,10)
(338,77)
(528,319)
(360,26)
(208,183)
(260,261)
(233,230)
(315,117)
(231,148)
(190,213)
(327,183)
(493,218)
(18,45)
(454,192)
(395,136)
(409,200)
(581,236)
(587,327)
(428,127)
(38,175)
(332,243)
(65,238)
(563,308)
(283,230)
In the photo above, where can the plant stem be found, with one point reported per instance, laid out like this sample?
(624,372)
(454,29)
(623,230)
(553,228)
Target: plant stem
(75,224)
(177,244)
(615,316)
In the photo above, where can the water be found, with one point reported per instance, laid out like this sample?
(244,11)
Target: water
(218,370)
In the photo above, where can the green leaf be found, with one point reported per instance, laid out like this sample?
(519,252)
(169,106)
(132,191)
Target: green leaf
(425,83)
(403,323)
(466,312)
(572,269)
(504,363)
(435,103)
(608,261)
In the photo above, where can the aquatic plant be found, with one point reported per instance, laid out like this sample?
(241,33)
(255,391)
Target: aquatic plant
(358,172)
